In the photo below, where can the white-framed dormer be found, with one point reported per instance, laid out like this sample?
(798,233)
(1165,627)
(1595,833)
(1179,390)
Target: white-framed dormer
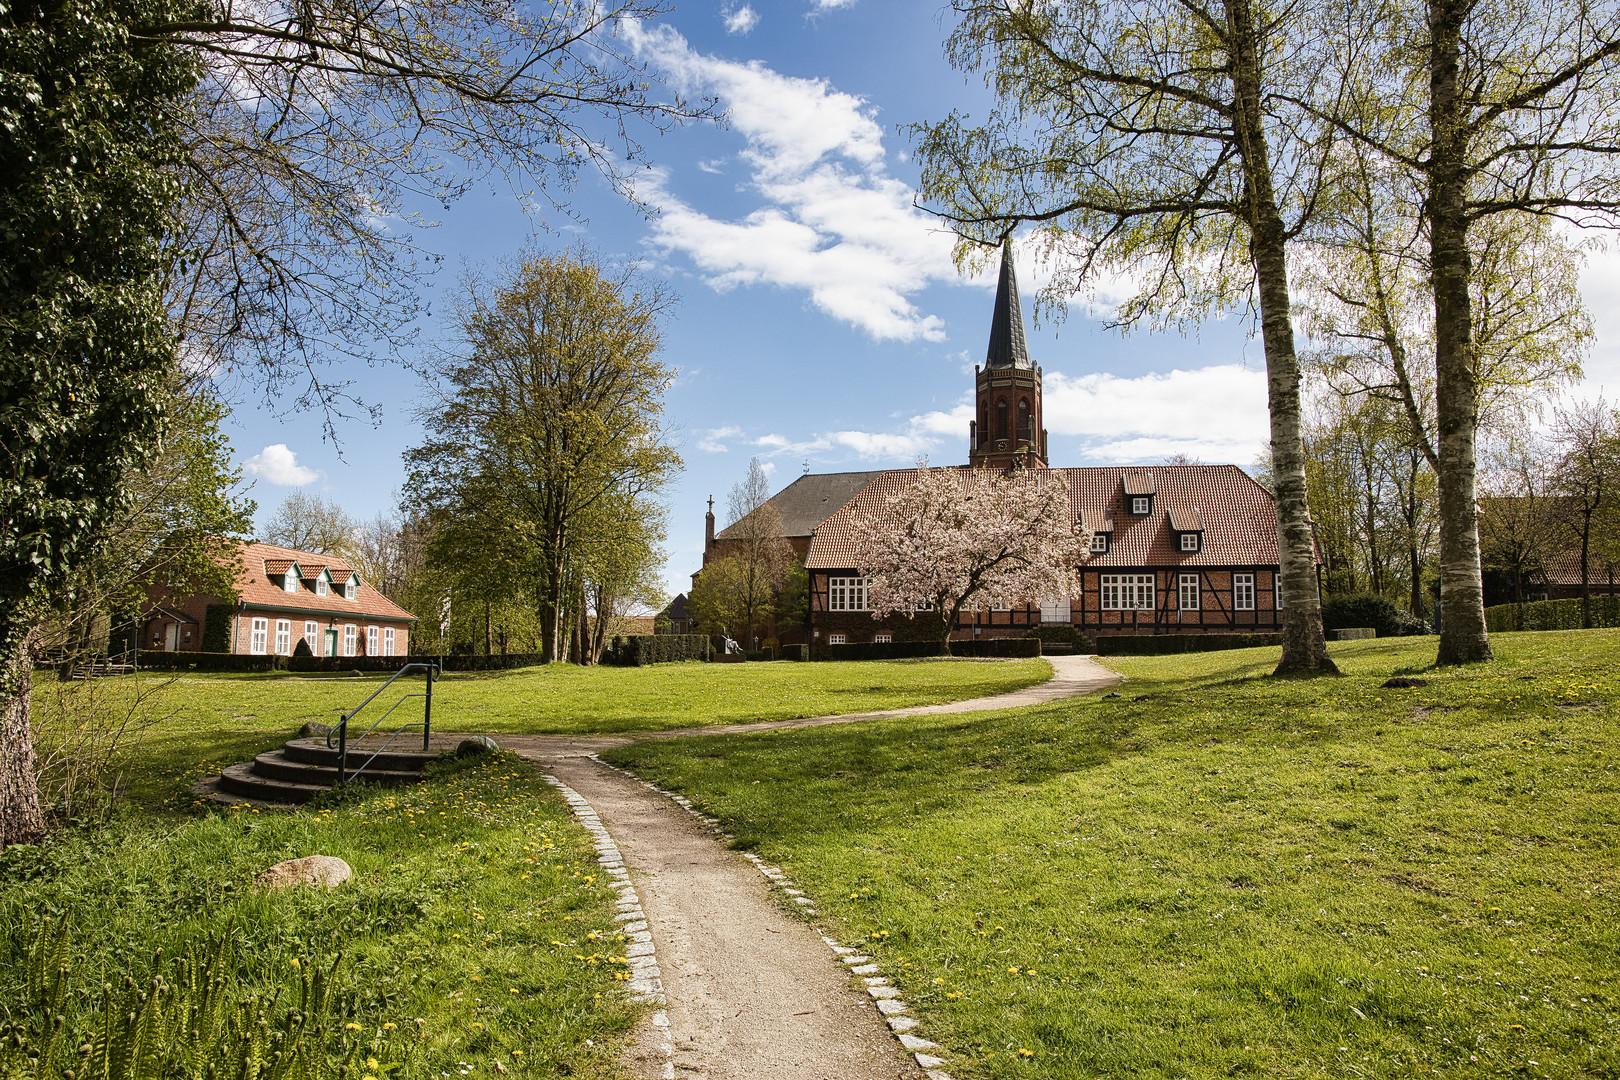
(290,578)
(323,582)
(1139,490)
(1101,527)
(351,586)
(1188,525)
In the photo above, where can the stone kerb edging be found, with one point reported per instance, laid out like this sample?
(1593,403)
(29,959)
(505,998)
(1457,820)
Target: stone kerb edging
(646,981)
(884,995)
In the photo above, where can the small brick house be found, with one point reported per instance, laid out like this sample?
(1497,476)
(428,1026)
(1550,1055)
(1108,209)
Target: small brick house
(1175,548)
(282,596)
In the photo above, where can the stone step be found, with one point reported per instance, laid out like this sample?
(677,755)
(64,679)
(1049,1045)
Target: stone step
(277,765)
(397,758)
(242,780)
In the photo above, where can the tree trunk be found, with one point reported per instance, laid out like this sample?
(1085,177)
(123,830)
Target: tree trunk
(20,819)
(1463,635)
(1586,577)
(487,635)
(1304,646)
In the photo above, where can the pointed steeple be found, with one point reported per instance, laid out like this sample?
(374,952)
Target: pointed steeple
(1007,346)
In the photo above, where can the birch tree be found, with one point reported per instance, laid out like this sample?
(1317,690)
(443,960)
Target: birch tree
(953,539)
(1147,144)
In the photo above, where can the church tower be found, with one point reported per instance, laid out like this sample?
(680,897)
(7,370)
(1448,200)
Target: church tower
(1008,431)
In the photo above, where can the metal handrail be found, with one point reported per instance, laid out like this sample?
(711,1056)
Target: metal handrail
(341,731)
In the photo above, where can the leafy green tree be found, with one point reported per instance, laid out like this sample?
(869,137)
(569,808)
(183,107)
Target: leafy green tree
(1156,141)
(553,411)
(89,162)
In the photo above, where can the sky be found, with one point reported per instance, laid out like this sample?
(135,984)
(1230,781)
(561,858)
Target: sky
(822,325)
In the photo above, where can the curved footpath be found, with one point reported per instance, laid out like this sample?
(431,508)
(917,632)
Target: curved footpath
(746,990)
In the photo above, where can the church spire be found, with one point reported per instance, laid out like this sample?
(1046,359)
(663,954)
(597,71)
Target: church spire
(1007,346)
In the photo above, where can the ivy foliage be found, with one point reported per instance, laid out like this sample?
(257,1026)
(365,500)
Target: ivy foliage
(88,167)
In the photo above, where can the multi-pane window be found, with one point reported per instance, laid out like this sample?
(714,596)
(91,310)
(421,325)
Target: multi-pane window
(1276,590)
(1099,543)
(289,581)
(371,641)
(882,639)
(1187,592)
(283,637)
(835,639)
(388,641)
(1139,505)
(846,594)
(351,637)
(1127,592)
(312,637)
(1055,611)
(320,585)
(1242,592)
(258,639)
(1189,541)
(349,589)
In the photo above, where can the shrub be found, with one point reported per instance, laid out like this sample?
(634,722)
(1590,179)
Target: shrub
(639,650)
(302,648)
(1165,644)
(1551,615)
(796,652)
(904,650)
(216,635)
(1366,609)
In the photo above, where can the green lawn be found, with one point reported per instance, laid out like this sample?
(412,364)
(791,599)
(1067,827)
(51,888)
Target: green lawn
(205,721)
(1220,874)
(479,936)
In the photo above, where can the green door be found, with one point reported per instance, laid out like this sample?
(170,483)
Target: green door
(331,643)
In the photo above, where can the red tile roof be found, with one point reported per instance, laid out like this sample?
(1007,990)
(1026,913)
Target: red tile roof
(260,561)
(1238,516)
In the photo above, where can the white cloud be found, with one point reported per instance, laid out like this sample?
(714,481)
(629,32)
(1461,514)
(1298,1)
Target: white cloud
(832,222)
(740,20)
(278,465)
(818,6)
(712,439)
(1216,413)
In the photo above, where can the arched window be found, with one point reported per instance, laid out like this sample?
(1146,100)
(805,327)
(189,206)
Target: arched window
(1023,420)
(984,422)
(1001,419)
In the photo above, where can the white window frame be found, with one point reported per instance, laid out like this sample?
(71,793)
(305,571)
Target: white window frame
(1187,589)
(1141,504)
(1057,612)
(350,589)
(1127,592)
(283,637)
(259,637)
(835,639)
(1099,543)
(371,641)
(882,639)
(1242,592)
(312,636)
(1276,590)
(320,585)
(289,581)
(847,594)
(1190,541)
(388,641)
(351,638)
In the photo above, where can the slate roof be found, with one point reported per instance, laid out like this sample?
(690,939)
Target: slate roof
(255,587)
(1239,517)
(1008,349)
(810,500)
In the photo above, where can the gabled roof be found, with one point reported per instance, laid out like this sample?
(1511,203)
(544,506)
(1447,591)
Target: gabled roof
(810,500)
(1238,517)
(1008,349)
(1185,519)
(254,587)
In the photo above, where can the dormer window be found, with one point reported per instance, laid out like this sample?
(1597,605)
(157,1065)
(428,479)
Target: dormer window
(320,585)
(289,580)
(1141,505)
(351,588)
(1099,543)
(1189,541)
(1139,490)
(1188,525)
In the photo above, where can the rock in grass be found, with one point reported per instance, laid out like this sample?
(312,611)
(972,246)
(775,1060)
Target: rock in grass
(326,871)
(314,729)
(478,744)
(1404,684)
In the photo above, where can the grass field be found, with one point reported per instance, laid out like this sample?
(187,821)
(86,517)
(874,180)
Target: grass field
(478,940)
(1218,874)
(202,722)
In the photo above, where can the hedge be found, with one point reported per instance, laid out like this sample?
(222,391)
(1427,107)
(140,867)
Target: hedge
(216,634)
(905,650)
(1342,611)
(208,661)
(214,661)
(796,652)
(639,650)
(1551,615)
(1163,644)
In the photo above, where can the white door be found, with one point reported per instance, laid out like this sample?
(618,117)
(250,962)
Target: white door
(171,638)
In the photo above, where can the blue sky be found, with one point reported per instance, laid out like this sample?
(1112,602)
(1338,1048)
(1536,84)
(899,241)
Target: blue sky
(822,323)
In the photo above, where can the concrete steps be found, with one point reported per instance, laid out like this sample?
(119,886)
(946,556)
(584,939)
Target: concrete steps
(303,768)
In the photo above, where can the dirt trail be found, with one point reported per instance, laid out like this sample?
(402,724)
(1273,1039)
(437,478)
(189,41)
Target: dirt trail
(751,990)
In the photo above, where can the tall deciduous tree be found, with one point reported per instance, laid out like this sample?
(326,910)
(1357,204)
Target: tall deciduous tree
(1146,139)
(763,553)
(308,522)
(88,165)
(1518,522)
(956,538)
(554,409)
(317,122)
(1586,477)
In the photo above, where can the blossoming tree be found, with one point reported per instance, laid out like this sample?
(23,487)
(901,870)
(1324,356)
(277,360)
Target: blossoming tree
(958,538)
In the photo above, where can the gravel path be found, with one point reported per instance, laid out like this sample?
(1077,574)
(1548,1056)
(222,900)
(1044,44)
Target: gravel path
(749,990)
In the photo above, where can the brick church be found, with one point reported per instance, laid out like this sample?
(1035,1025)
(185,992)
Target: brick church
(1175,548)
